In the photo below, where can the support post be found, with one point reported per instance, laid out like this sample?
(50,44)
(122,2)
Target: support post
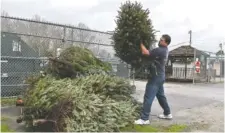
(72,37)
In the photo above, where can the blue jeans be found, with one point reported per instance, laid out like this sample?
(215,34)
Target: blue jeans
(154,87)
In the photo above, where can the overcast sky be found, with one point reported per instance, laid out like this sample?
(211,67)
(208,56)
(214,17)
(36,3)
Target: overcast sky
(175,17)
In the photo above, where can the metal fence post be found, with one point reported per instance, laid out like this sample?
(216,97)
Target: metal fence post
(209,74)
(72,37)
(220,56)
(133,75)
(64,36)
(220,68)
(194,66)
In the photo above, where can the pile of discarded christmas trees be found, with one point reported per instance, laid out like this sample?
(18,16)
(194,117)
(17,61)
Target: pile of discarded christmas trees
(76,94)
(79,94)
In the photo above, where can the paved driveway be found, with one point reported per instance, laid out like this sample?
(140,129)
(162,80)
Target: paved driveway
(200,103)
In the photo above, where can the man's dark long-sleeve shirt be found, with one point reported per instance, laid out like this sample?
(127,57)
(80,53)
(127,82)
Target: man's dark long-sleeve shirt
(160,54)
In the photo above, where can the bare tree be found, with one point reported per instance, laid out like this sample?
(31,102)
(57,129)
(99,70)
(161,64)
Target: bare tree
(6,25)
(84,37)
(43,46)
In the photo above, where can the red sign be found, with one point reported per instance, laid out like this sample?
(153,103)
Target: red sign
(197,66)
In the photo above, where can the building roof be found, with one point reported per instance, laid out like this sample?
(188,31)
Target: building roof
(184,51)
(220,52)
(24,50)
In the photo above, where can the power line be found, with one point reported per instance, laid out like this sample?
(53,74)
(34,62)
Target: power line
(177,44)
(187,42)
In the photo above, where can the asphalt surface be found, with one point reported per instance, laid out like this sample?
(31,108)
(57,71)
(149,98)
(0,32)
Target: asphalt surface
(201,104)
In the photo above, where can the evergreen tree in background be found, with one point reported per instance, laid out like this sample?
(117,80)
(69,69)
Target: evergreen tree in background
(133,27)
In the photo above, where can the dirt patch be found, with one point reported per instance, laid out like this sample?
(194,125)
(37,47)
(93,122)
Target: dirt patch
(9,116)
(11,123)
(208,118)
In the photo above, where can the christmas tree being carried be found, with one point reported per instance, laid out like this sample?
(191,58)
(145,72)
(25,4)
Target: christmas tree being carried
(133,27)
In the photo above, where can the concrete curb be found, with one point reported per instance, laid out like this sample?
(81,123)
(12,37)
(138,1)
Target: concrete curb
(5,107)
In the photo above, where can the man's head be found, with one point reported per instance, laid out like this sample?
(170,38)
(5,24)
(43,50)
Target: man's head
(165,40)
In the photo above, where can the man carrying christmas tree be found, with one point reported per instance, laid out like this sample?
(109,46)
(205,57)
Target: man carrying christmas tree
(154,87)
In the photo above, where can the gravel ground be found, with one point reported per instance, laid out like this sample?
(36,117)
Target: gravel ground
(208,118)
(200,106)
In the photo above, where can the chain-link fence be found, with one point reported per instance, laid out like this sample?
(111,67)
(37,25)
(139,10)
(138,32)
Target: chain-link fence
(215,69)
(14,71)
(45,37)
(26,44)
(211,68)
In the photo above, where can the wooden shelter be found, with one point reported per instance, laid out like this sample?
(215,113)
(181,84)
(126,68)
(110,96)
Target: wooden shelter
(220,53)
(180,63)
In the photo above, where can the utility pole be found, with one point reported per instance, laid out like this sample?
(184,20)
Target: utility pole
(186,56)
(190,41)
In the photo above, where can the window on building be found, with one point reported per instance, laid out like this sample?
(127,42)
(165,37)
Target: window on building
(16,46)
